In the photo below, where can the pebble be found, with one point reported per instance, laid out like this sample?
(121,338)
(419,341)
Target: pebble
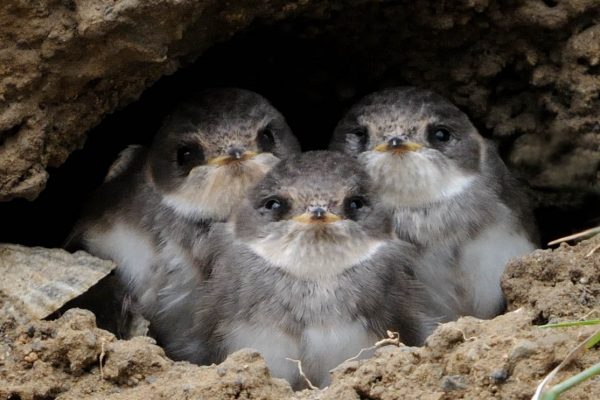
(499,375)
(37,345)
(453,382)
(31,357)
(522,349)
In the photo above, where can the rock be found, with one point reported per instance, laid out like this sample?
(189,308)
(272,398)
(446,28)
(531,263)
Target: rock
(523,349)
(499,375)
(453,382)
(35,282)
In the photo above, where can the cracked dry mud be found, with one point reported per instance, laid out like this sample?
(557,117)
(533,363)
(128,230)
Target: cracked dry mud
(503,358)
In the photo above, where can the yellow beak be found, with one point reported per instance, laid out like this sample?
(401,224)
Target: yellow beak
(310,218)
(403,148)
(225,160)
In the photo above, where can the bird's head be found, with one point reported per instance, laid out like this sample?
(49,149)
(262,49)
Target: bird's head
(213,148)
(313,215)
(416,145)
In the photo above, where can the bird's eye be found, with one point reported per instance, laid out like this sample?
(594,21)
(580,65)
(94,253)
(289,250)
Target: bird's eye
(356,204)
(353,204)
(439,134)
(273,204)
(359,137)
(266,139)
(276,207)
(189,155)
(361,132)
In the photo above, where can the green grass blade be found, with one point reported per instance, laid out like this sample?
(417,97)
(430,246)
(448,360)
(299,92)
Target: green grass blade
(572,323)
(562,387)
(591,342)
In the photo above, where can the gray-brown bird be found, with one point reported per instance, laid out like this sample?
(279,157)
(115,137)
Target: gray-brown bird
(450,192)
(153,213)
(308,269)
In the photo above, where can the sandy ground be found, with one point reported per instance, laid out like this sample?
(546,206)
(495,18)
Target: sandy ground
(503,358)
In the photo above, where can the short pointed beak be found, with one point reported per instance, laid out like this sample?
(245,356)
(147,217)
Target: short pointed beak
(395,142)
(318,212)
(397,145)
(317,215)
(234,154)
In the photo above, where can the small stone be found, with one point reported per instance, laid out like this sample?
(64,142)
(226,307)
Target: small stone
(499,375)
(31,357)
(221,371)
(150,379)
(37,345)
(522,349)
(31,331)
(453,382)
(584,280)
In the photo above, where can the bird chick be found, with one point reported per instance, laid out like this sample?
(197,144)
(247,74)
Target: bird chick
(153,213)
(450,193)
(308,269)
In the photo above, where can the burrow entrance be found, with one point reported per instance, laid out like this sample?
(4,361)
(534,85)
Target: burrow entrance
(508,75)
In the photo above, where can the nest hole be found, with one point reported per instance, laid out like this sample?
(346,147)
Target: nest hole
(312,68)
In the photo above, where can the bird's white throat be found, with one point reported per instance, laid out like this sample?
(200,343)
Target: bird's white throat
(214,192)
(306,253)
(414,178)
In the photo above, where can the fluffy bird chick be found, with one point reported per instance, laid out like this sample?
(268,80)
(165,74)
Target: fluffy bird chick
(307,270)
(154,211)
(450,193)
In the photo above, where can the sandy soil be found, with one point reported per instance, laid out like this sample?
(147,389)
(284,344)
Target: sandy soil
(504,358)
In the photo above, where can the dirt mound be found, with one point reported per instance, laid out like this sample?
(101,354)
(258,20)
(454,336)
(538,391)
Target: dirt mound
(502,358)
(73,359)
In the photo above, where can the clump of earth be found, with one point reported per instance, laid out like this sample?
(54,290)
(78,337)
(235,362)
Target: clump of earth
(504,358)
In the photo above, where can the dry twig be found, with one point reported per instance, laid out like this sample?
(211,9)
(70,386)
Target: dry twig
(101,357)
(301,372)
(580,235)
(570,357)
(393,339)
(592,251)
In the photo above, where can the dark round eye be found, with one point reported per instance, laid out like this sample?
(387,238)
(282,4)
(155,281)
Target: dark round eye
(356,204)
(265,139)
(353,204)
(360,132)
(273,204)
(440,135)
(189,155)
(360,138)
(276,207)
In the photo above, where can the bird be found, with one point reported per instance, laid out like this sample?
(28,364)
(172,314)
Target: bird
(451,194)
(154,211)
(308,269)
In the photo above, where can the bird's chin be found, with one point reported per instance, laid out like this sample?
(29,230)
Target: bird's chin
(214,192)
(314,251)
(414,178)
(319,231)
